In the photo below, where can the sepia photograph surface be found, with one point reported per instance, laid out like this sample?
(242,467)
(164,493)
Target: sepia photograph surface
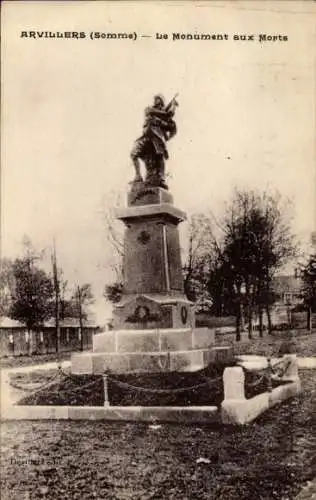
(158,250)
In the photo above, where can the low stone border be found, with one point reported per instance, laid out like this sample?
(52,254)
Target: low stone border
(307,362)
(237,410)
(179,414)
(254,362)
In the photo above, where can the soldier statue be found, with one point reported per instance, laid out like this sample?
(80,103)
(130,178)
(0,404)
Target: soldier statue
(151,148)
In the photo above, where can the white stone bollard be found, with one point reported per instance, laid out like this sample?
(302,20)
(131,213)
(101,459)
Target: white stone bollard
(291,372)
(234,383)
(106,392)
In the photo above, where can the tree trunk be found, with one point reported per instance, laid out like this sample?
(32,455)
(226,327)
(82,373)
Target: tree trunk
(260,313)
(80,318)
(289,317)
(238,323)
(309,319)
(28,343)
(57,299)
(267,304)
(242,317)
(81,331)
(269,319)
(250,324)
(57,324)
(248,303)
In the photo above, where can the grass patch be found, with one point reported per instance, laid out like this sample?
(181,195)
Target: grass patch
(301,343)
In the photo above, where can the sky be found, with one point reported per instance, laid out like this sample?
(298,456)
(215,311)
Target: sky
(71,110)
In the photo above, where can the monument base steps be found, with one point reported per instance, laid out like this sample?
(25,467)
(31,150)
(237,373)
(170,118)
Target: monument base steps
(151,351)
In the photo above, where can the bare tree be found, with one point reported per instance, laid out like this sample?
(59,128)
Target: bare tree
(82,298)
(258,242)
(114,232)
(56,273)
(200,248)
(7,285)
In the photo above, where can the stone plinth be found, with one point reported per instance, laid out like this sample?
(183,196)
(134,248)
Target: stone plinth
(133,362)
(131,351)
(153,212)
(152,261)
(140,195)
(147,311)
(173,339)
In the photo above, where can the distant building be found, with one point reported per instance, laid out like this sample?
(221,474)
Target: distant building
(288,298)
(287,290)
(15,339)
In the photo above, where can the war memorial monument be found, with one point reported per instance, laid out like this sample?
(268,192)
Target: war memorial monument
(154,323)
(155,337)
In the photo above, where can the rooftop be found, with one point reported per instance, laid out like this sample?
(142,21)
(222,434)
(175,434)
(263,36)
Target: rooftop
(282,284)
(6,322)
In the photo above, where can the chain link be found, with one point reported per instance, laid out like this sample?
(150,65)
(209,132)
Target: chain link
(268,371)
(39,387)
(257,382)
(284,366)
(208,382)
(81,387)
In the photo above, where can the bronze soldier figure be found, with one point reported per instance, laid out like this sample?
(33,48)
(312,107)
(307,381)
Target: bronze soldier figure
(159,127)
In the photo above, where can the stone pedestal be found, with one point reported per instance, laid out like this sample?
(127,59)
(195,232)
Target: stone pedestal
(152,261)
(154,325)
(155,350)
(153,279)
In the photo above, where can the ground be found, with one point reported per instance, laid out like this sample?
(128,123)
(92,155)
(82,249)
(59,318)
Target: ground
(300,341)
(9,362)
(272,458)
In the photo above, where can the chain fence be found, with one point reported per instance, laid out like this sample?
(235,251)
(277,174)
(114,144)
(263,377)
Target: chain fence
(278,369)
(126,385)
(80,387)
(33,389)
(265,374)
(62,376)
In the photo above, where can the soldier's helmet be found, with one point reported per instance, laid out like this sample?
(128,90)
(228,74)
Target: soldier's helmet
(159,98)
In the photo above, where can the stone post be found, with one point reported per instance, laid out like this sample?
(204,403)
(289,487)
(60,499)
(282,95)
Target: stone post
(291,372)
(234,383)
(269,374)
(106,392)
